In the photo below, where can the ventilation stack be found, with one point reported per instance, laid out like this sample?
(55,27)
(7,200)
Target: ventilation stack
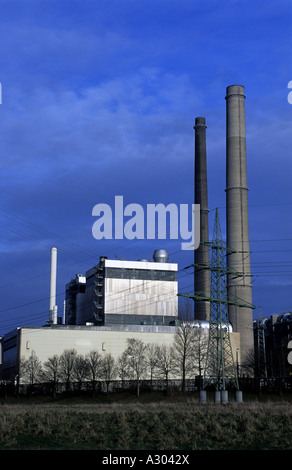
(201,254)
(237,238)
(53,284)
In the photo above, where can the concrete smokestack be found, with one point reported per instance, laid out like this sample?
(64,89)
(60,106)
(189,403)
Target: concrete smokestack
(201,254)
(53,284)
(238,288)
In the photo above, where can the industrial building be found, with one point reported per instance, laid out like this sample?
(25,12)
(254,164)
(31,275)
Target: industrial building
(120,299)
(273,343)
(46,342)
(115,301)
(52,340)
(124,292)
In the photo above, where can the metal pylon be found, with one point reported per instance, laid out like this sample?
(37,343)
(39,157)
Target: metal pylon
(220,367)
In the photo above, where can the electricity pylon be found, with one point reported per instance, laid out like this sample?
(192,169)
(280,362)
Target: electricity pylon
(220,369)
(220,365)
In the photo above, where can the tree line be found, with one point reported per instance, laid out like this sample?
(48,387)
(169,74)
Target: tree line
(183,359)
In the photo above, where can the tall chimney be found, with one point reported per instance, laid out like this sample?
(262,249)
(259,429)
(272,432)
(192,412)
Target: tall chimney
(53,283)
(201,254)
(238,288)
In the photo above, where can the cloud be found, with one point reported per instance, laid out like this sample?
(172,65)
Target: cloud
(131,117)
(100,99)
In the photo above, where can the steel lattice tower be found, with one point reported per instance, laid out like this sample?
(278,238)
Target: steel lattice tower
(220,367)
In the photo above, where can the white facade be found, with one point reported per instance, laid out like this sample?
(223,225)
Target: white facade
(140,296)
(46,342)
(124,292)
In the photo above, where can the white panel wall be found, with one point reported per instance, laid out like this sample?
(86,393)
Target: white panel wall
(109,263)
(46,342)
(140,297)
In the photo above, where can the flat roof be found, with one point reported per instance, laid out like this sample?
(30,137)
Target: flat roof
(121,328)
(143,265)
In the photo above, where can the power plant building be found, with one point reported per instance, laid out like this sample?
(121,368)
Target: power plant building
(120,299)
(52,340)
(115,301)
(119,292)
(138,299)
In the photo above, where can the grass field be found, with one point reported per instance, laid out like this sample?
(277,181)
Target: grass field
(152,421)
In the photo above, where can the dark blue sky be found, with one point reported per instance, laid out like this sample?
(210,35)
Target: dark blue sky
(99,99)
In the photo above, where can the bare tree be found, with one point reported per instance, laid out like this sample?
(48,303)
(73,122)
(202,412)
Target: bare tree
(67,365)
(166,362)
(200,346)
(80,369)
(108,370)
(31,370)
(190,345)
(123,367)
(51,372)
(152,359)
(94,363)
(183,351)
(136,354)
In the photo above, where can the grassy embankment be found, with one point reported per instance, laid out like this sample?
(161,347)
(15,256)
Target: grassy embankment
(148,422)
